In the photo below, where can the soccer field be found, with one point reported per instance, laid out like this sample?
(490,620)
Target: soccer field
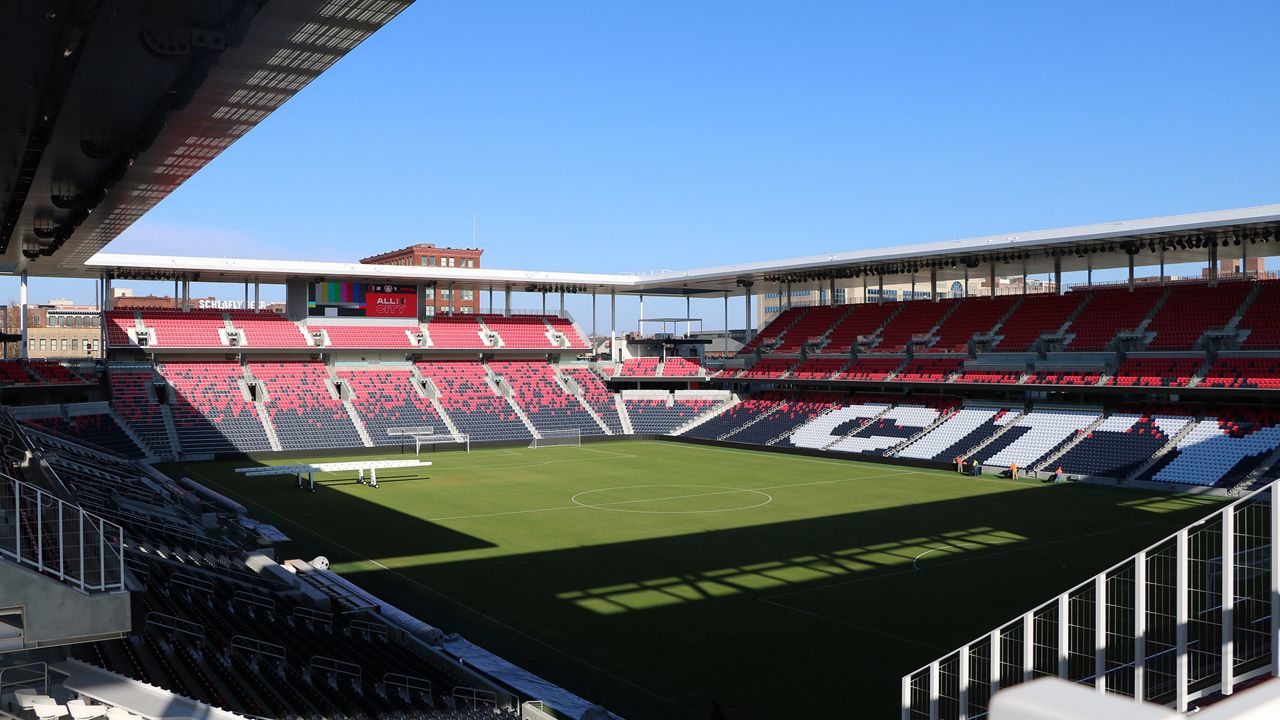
(657,577)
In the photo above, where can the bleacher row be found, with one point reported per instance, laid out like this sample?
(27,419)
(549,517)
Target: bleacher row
(1160,444)
(224,406)
(210,629)
(42,372)
(213,329)
(1165,319)
(1136,370)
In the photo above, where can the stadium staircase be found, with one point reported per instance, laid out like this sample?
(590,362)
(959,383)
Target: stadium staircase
(171,430)
(623,416)
(1167,448)
(502,389)
(260,405)
(574,389)
(150,455)
(488,335)
(1080,436)
(994,436)
(943,416)
(432,393)
(340,390)
(706,415)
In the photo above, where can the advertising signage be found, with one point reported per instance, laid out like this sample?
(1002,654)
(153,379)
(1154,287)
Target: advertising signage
(350,299)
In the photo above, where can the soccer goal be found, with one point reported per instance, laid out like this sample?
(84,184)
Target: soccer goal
(425,436)
(558,438)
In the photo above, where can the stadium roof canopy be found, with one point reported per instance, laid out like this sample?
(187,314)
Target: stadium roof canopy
(106,106)
(1176,239)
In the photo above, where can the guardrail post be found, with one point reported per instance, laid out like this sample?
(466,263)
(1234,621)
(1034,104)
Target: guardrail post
(1139,625)
(1100,632)
(1180,621)
(1228,598)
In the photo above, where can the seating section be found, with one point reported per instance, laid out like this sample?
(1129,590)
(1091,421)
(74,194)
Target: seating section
(118,323)
(653,416)
(472,403)
(1036,315)
(818,368)
(1190,310)
(929,370)
(1109,312)
(544,401)
(1156,371)
(303,410)
(773,330)
(38,372)
(268,330)
(370,337)
(100,431)
(1244,372)
(1261,319)
(455,332)
(1218,451)
(790,412)
(767,369)
(595,394)
(955,436)
(566,327)
(809,327)
(1120,445)
(887,431)
(1078,378)
(870,369)
(639,367)
(675,366)
(133,397)
(989,377)
(385,397)
(210,411)
(734,418)
(859,320)
(830,427)
(1034,436)
(185,328)
(972,317)
(917,317)
(520,331)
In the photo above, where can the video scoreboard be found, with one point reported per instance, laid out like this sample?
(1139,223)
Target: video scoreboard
(352,299)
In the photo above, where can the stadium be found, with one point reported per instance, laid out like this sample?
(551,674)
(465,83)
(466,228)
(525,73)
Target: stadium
(924,475)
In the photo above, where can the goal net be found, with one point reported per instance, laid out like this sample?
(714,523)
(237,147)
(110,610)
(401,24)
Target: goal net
(426,437)
(558,438)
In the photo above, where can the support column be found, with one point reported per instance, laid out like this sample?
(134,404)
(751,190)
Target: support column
(992,278)
(831,294)
(1244,258)
(561,303)
(186,295)
(1024,276)
(1130,272)
(613,324)
(1213,262)
(641,324)
(688,316)
(257,296)
(1057,275)
(864,287)
(726,323)
(1089,270)
(1162,264)
(246,294)
(22,313)
(788,296)
(544,302)
(933,284)
(491,310)
(177,295)
(966,281)
(880,287)
(107,300)
(453,299)
(593,314)
(506,308)
(913,285)
(746,320)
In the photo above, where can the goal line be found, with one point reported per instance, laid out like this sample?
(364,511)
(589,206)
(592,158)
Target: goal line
(558,438)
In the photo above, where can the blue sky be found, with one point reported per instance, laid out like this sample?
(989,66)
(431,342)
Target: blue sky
(641,136)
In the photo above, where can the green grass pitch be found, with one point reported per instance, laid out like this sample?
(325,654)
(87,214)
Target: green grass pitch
(657,577)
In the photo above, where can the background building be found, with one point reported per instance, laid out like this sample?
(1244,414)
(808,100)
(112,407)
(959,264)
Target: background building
(428,255)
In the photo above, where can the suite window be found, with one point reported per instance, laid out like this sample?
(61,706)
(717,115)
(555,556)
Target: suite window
(468,295)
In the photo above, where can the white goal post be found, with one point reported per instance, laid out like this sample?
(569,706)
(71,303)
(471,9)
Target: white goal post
(558,438)
(426,436)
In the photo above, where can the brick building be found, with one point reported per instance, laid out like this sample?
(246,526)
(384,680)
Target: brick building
(428,255)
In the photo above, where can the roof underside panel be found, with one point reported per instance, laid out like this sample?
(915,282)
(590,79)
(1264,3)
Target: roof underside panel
(109,105)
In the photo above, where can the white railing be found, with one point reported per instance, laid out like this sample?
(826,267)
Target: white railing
(59,539)
(1192,615)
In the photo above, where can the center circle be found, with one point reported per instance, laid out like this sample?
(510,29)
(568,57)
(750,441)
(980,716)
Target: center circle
(650,499)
